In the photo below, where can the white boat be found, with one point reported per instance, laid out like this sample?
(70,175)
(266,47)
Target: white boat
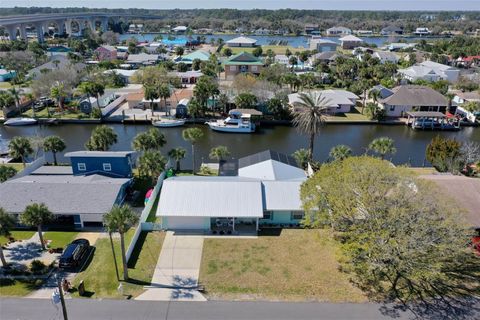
(20,122)
(235,123)
(168,122)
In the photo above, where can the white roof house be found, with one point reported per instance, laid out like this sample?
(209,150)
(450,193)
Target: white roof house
(143,58)
(242,42)
(180,29)
(266,189)
(386,56)
(340,101)
(430,71)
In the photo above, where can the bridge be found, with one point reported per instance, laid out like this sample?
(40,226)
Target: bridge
(16,26)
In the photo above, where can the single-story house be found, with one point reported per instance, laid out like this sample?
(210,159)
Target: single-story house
(391,30)
(124,74)
(324,57)
(323,45)
(408,98)
(339,101)
(463,97)
(143,59)
(350,42)
(187,77)
(196,55)
(180,29)
(312,29)
(56,62)
(7,75)
(397,46)
(242,62)
(265,191)
(386,56)
(469,61)
(106,53)
(58,50)
(242,42)
(337,31)
(430,71)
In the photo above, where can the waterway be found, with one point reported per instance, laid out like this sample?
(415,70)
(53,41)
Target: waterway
(297,42)
(410,143)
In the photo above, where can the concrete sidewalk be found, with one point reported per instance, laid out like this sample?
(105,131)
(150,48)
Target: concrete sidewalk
(177,271)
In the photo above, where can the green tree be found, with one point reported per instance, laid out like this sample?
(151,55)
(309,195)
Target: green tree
(36,215)
(383,146)
(20,148)
(59,93)
(151,164)
(164,93)
(205,88)
(16,94)
(102,138)
(302,157)
(196,64)
(192,135)
(246,100)
(6,100)
(340,152)
(257,52)
(151,93)
(120,219)
(219,153)
(7,223)
(310,115)
(227,52)
(6,172)
(54,144)
(152,139)
(179,51)
(177,154)
(444,154)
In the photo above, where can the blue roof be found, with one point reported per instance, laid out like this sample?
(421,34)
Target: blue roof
(174,42)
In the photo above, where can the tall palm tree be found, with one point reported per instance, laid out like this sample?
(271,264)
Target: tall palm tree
(219,153)
(193,135)
(36,215)
(382,146)
(340,152)
(177,154)
(151,164)
(16,94)
(120,219)
(20,147)
(7,223)
(153,139)
(54,144)
(59,93)
(151,93)
(164,93)
(310,115)
(101,139)
(6,100)
(302,157)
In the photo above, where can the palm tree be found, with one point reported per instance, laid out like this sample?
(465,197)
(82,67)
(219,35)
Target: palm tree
(151,93)
(310,115)
(59,93)
(36,215)
(6,172)
(102,139)
(164,93)
(372,94)
(192,135)
(382,146)
(54,144)
(7,223)
(153,139)
(177,154)
(340,152)
(6,100)
(20,147)
(120,219)
(219,153)
(302,157)
(151,164)
(16,93)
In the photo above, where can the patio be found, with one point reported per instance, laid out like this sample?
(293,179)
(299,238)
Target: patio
(24,252)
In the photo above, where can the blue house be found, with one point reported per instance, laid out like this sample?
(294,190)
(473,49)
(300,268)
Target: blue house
(115,164)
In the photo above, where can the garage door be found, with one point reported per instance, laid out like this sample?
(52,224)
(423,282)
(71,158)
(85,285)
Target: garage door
(188,223)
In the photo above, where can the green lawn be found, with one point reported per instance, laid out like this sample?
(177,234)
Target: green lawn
(64,115)
(276,49)
(16,165)
(295,265)
(18,235)
(16,288)
(354,115)
(100,278)
(60,239)
(5,85)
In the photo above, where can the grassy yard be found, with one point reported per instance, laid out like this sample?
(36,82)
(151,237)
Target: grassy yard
(100,278)
(426,170)
(15,288)
(16,165)
(18,235)
(5,85)
(354,115)
(276,49)
(65,115)
(295,265)
(60,239)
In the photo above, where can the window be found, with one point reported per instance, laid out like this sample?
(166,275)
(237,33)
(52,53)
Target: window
(107,167)
(233,68)
(268,215)
(297,215)
(81,166)
(392,108)
(254,68)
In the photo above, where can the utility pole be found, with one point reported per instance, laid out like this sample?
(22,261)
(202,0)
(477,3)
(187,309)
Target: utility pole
(62,300)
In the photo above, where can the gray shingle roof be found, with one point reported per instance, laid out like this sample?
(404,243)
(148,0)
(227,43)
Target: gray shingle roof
(99,154)
(416,96)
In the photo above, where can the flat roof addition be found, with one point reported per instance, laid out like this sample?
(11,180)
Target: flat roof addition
(426,114)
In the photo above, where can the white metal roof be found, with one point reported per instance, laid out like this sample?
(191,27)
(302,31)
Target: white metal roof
(351,38)
(211,197)
(271,170)
(242,39)
(282,195)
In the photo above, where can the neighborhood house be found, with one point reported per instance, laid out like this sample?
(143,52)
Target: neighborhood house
(243,62)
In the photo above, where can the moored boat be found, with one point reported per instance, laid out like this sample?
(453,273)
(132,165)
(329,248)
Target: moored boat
(168,122)
(236,122)
(20,122)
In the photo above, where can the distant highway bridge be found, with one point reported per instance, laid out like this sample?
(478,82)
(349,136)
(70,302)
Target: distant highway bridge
(16,26)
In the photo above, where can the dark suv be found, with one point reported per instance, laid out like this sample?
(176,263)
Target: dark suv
(74,253)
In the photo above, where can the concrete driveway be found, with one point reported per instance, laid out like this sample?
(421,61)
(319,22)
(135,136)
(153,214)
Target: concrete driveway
(177,271)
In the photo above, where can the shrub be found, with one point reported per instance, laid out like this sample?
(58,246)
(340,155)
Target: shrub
(38,267)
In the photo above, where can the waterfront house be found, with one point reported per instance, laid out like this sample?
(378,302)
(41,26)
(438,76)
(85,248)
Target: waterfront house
(408,98)
(106,53)
(117,164)
(327,57)
(182,108)
(391,30)
(242,42)
(262,189)
(430,71)
(180,29)
(7,75)
(397,46)
(242,62)
(350,42)
(338,31)
(311,28)
(339,101)
(422,31)
(466,97)
(323,45)
(58,50)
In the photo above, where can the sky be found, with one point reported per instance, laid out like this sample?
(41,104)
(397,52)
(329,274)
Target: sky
(432,5)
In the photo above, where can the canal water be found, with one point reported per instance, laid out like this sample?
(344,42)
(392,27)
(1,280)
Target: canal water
(410,144)
(297,42)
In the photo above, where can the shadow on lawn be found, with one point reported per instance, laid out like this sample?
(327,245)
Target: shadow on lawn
(270,232)
(132,262)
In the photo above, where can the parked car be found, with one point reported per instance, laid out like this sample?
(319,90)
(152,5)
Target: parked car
(74,253)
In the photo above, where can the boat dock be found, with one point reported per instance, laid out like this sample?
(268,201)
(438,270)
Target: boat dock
(431,120)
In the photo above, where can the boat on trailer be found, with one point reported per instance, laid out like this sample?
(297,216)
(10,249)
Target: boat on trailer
(20,122)
(236,122)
